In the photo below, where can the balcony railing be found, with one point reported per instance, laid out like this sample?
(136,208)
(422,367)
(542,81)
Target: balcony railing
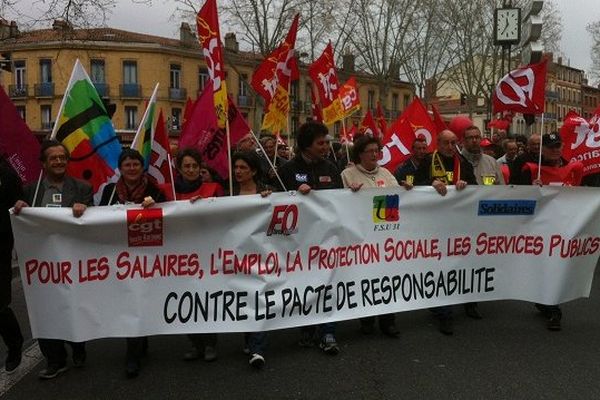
(177,94)
(102,89)
(131,90)
(45,89)
(17,91)
(245,101)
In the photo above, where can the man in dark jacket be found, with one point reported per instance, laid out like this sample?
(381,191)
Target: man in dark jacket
(10,192)
(57,189)
(311,170)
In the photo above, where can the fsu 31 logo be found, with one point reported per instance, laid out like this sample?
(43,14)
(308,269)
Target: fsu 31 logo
(145,227)
(385,208)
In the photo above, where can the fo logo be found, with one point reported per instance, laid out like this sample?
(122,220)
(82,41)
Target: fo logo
(385,208)
(145,227)
(284,220)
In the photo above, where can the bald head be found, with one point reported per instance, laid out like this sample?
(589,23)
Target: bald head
(446,143)
(533,143)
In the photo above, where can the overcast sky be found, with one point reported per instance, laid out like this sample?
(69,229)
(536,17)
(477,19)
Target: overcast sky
(158,20)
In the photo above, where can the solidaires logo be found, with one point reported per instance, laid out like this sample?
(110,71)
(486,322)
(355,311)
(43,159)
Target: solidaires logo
(385,208)
(506,207)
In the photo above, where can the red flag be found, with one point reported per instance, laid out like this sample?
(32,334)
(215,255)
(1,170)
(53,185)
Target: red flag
(381,124)
(581,140)
(522,90)
(322,72)
(501,124)
(187,111)
(398,141)
(348,135)
(367,126)
(17,144)
(349,97)
(202,132)
(159,167)
(209,36)
(438,120)
(317,115)
(272,81)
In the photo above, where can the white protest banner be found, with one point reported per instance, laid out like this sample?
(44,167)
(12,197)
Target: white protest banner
(247,263)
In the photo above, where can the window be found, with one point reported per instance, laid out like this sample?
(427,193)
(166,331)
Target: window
(175,76)
(175,118)
(22,112)
(243,85)
(98,71)
(130,117)
(46,116)
(406,100)
(130,72)
(45,71)
(395,102)
(371,100)
(20,75)
(202,78)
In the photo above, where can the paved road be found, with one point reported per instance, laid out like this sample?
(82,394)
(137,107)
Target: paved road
(507,355)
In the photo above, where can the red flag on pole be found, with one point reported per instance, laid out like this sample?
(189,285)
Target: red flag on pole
(381,124)
(438,120)
(368,126)
(209,36)
(17,144)
(187,111)
(522,90)
(203,133)
(413,122)
(323,74)
(349,97)
(317,115)
(581,140)
(272,81)
(159,167)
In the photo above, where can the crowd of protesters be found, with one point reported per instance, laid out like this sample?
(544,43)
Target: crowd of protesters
(460,159)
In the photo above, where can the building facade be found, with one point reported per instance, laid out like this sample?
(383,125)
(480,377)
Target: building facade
(125,66)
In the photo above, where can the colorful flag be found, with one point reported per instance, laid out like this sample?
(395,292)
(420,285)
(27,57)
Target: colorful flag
(17,144)
(203,133)
(349,97)
(209,36)
(381,124)
(522,90)
(142,142)
(368,126)
(581,140)
(272,80)
(413,122)
(160,167)
(323,74)
(84,127)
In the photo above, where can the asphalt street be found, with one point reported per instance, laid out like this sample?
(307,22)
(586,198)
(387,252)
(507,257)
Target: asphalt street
(507,355)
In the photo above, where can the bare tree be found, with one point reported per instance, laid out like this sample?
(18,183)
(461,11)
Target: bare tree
(594,30)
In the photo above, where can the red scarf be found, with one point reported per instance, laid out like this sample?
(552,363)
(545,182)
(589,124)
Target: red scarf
(133,195)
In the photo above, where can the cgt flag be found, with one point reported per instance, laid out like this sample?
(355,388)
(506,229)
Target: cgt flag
(272,81)
(209,36)
(581,140)
(83,125)
(349,97)
(367,126)
(322,72)
(381,123)
(398,141)
(159,169)
(522,90)
(17,144)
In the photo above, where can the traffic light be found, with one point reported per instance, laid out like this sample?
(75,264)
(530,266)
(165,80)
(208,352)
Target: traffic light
(5,62)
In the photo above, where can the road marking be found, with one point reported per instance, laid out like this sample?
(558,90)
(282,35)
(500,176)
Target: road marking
(31,357)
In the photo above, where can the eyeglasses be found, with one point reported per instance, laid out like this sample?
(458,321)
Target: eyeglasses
(58,158)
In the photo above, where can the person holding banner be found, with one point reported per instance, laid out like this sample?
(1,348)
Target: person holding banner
(446,166)
(485,167)
(133,187)
(367,173)
(247,180)
(10,191)
(57,189)
(311,170)
(405,174)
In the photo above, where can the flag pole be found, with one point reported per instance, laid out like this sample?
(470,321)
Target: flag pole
(171,174)
(346,138)
(229,155)
(37,188)
(268,160)
(539,172)
(277,136)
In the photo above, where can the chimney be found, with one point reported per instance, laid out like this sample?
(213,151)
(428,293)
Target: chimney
(348,61)
(61,24)
(559,60)
(186,36)
(13,30)
(231,42)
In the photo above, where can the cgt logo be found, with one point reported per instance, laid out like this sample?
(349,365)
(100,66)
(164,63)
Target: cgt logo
(506,207)
(385,208)
(284,220)
(145,227)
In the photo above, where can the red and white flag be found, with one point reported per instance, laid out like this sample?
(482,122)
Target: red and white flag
(522,90)
(317,114)
(368,126)
(349,97)
(323,74)
(398,141)
(581,140)
(159,168)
